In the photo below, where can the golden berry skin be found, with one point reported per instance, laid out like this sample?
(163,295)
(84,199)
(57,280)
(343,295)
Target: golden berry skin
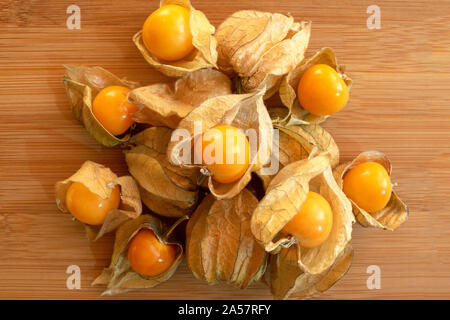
(368,184)
(312,225)
(112,110)
(235,147)
(148,256)
(321,91)
(88,207)
(166,33)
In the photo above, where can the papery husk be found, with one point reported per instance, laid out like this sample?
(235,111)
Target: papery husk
(165,189)
(288,87)
(396,211)
(204,54)
(261,47)
(119,277)
(244,111)
(297,143)
(313,136)
(101,181)
(284,198)
(278,61)
(219,244)
(166,104)
(288,279)
(82,85)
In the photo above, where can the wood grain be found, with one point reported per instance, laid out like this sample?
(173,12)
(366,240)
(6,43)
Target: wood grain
(399,105)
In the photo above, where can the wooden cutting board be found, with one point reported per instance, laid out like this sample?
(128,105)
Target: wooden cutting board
(399,105)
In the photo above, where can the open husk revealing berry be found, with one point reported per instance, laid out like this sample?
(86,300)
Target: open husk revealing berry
(261,47)
(165,189)
(283,200)
(164,104)
(394,214)
(219,244)
(82,85)
(289,84)
(119,277)
(204,54)
(245,112)
(101,181)
(297,142)
(288,279)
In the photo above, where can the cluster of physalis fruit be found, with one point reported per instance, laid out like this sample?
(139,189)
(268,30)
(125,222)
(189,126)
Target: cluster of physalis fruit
(243,220)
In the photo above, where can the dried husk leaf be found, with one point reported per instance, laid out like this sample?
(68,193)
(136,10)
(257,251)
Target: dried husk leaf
(261,47)
(154,141)
(396,211)
(119,277)
(165,189)
(219,244)
(285,196)
(82,85)
(244,111)
(101,181)
(204,54)
(299,142)
(166,104)
(286,150)
(278,61)
(289,84)
(288,279)
(313,136)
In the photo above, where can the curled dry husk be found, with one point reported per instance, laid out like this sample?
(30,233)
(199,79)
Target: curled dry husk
(394,214)
(283,200)
(82,85)
(166,104)
(297,142)
(119,277)
(288,88)
(288,279)
(165,189)
(204,54)
(261,47)
(244,111)
(219,244)
(101,181)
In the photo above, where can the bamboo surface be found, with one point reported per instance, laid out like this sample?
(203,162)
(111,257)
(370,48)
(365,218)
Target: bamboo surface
(399,105)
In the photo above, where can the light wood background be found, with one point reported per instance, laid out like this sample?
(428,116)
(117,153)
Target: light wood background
(399,105)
